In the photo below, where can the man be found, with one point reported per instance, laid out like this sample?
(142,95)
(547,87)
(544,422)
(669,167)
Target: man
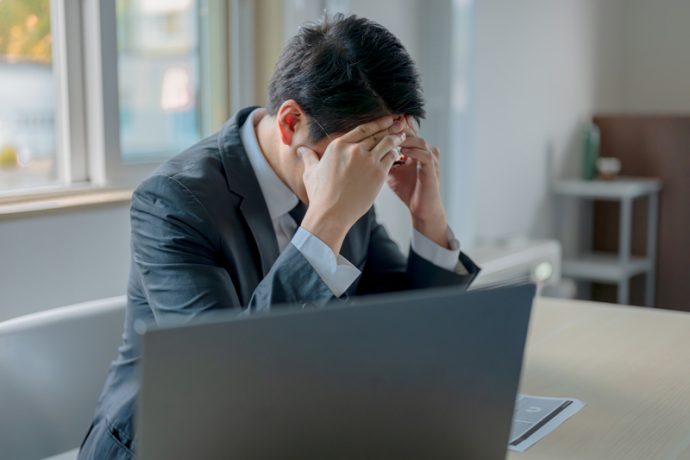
(277,206)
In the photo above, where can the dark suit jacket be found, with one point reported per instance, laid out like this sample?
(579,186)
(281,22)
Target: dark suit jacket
(202,240)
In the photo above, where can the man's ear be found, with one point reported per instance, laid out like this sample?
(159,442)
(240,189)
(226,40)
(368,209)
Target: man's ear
(290,116)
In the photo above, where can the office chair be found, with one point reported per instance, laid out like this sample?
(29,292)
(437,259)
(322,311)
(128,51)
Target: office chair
(52,367)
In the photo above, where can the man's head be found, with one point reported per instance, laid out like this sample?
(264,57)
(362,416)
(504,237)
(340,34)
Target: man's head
(342,72)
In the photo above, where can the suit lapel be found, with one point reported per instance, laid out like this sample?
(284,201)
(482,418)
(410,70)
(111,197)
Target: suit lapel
(242,181)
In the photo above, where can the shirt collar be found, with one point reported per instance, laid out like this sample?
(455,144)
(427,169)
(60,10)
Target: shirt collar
(280,199)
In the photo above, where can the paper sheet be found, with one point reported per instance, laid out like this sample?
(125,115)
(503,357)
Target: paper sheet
(537,416)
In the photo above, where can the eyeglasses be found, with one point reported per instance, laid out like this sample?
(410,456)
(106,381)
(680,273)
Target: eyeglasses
(322,129)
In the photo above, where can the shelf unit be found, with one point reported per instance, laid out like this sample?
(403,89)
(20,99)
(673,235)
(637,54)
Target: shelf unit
(611,267)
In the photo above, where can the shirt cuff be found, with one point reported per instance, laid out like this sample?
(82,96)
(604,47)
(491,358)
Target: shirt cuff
(445,258)
(336,272)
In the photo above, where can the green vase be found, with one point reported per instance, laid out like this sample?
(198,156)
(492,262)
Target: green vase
(590,152)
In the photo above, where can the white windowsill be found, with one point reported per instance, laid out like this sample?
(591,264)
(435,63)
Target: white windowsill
(61,199)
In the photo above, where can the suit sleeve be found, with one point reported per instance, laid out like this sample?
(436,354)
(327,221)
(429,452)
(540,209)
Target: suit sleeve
(387,269)
(174,250)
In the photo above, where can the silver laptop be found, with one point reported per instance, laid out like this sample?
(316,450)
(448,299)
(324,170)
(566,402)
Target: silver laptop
(427,374)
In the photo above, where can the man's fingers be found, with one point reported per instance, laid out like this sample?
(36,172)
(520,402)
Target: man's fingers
(425,160)
(372,141)
(422,155)
(308,156)
(388,160)
(387,144)
(413,142)
(366,130)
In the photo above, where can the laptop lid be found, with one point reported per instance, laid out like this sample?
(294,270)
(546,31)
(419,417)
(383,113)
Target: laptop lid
(421,374)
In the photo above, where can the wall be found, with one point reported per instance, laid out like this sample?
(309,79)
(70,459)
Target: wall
(543,67)
(268,35)
(62,257)
(656,68)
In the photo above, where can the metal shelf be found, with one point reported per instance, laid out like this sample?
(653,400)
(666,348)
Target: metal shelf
(617,268)
(606,267)
(616,189)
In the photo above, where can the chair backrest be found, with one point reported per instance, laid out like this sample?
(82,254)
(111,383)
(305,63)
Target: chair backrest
(52,368)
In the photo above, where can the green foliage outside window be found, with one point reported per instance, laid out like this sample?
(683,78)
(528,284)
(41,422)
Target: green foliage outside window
(25,30)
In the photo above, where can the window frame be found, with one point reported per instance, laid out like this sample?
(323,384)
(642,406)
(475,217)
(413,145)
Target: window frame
(87,109)
(69,104)
(107,165)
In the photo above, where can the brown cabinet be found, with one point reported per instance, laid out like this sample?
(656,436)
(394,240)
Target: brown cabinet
(650,146)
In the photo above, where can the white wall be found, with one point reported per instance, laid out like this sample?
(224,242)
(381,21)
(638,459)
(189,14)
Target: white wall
(656,68)
(63,257)
(543,67)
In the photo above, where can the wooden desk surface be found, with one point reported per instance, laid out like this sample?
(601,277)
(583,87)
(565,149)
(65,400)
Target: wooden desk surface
(631,367)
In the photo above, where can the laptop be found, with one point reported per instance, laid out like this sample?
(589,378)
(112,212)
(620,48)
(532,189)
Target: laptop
(422,374)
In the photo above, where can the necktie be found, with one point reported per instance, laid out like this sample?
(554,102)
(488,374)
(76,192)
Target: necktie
(298,212)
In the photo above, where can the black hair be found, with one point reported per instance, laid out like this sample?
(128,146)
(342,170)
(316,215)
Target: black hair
(345,71)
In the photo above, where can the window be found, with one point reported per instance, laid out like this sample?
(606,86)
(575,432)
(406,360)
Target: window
(159,77)
(98,93)
(27,95)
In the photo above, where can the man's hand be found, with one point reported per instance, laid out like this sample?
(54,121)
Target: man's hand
(344,183)
(417,183)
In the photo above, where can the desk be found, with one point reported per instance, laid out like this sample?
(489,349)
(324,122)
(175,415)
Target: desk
(626,363)
(630,365)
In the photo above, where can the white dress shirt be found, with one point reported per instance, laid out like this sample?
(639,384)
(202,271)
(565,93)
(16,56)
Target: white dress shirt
(335,271)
